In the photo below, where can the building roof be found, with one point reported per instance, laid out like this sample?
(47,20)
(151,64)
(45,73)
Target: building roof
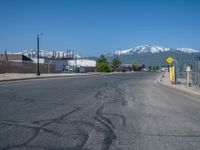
(14,57)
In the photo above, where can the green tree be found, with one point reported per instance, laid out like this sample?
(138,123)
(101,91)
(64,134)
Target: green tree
(135,65)
(103,65)
(102,59)
(116,62)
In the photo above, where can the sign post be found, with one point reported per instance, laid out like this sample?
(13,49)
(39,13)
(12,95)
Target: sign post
(171,69)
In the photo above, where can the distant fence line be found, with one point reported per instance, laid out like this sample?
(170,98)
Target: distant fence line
(25,67)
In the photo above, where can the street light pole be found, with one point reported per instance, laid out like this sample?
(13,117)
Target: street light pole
(38,53)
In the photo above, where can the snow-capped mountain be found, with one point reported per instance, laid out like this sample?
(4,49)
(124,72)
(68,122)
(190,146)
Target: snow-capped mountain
(121,52)
(188,50)
(32,53)
(152,49)
(153,55)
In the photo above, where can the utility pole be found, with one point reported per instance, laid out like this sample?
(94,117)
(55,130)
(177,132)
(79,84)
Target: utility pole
(6,61)
(75,62)
(38,53)
(6,56)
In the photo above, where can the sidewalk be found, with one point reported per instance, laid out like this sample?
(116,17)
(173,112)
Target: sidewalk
(164,80)
(21,76)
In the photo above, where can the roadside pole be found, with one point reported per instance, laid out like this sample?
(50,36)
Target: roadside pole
(38,53)
(172,74)
(171,70)
(188,70)
(6,64)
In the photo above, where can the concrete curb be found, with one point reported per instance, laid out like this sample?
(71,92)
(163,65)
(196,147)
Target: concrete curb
(46,77)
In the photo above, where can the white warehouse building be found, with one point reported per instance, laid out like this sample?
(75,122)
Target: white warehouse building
(82,65)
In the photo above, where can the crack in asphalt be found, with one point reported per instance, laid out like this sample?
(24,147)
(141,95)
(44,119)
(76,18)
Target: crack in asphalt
(57,119)
(36,129)
(117,115)
(108,125)
(110,135)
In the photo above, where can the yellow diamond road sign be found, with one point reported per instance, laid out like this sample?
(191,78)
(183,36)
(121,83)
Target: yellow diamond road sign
(169,60)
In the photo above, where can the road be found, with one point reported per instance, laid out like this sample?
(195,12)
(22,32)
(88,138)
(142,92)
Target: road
(126,111)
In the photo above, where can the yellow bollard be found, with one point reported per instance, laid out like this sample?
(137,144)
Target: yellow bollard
(172,74)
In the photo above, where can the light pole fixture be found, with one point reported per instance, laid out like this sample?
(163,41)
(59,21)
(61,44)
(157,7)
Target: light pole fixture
(38,53)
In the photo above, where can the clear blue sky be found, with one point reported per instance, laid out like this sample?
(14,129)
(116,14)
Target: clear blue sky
(93,27)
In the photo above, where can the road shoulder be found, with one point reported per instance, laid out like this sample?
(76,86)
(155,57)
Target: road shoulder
(163,80)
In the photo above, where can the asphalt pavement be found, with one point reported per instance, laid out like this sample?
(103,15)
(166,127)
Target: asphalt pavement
(126,111)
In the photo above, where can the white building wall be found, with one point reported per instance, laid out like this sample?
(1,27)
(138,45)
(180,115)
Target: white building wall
(82,63)
(41,60)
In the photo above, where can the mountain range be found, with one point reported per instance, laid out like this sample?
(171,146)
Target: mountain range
(153,49)
(153,55)
(144,54)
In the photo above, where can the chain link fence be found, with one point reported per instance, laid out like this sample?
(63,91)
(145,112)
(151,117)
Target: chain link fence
(181,73)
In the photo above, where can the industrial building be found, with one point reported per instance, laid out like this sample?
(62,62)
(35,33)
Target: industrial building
(81,65)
